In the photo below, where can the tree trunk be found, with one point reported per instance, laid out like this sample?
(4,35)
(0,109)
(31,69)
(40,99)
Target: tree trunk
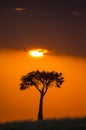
(40,113)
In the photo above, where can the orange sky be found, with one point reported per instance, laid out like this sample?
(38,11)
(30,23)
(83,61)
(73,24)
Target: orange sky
(68,101)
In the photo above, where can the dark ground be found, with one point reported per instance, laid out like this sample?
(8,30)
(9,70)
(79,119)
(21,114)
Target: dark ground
(53,124)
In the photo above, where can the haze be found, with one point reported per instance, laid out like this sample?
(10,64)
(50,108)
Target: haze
(68,101)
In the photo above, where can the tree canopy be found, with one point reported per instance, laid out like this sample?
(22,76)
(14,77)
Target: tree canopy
(41,80)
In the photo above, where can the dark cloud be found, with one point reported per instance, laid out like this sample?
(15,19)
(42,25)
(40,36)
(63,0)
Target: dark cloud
(53,25)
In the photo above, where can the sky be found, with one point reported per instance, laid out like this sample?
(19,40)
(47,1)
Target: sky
(58,27)
(55,25)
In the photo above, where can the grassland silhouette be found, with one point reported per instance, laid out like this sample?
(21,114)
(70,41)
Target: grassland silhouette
(54,124)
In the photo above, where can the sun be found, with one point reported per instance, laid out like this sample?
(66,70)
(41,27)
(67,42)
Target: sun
(37,52)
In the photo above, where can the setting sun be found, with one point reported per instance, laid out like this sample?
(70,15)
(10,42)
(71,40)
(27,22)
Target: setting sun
(37,52)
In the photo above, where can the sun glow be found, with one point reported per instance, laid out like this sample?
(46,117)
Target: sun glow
(37,52)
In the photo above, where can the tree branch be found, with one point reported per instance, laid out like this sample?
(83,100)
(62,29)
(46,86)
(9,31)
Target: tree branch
(38,89)
(45,91)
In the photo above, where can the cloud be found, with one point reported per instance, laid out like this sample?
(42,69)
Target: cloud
(42,29)
(76,13)
(20,9)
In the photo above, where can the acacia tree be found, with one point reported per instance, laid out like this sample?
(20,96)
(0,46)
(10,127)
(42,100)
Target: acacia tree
(42,80)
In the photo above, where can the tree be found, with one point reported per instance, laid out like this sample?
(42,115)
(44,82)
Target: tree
(42,80)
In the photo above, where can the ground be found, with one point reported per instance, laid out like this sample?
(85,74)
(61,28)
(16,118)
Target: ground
(54,124)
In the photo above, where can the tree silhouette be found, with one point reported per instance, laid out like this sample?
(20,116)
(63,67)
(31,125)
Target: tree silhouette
(42,81)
